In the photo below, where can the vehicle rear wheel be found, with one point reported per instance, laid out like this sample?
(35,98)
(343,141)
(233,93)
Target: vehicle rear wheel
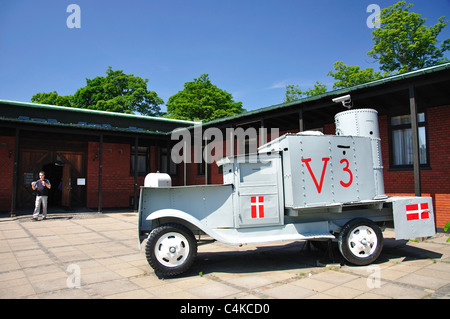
(360,241)
(171,249)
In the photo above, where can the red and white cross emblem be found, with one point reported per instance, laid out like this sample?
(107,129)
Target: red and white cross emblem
(417,211)
(257,205)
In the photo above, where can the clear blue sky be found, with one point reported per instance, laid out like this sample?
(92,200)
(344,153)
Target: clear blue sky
(250,48)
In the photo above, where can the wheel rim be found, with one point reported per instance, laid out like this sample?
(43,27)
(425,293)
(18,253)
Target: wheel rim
(362,241)
(172,249)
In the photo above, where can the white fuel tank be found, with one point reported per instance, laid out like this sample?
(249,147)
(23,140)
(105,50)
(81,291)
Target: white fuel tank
(364,122)
(157,180)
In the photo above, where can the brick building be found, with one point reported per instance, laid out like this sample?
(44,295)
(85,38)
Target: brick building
(100,159)
(93,159)
(424,92)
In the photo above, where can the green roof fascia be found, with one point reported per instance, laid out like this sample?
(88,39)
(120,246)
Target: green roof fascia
(96,112)
(192,124)
(33,112)
(338,92)
(85,127)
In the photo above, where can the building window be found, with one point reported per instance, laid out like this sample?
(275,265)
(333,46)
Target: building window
(402,146)
(142,161)
(201,167)
(166,160)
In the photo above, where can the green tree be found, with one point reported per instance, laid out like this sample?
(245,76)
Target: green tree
(403,43)
(293,93)
(346,76)
(117,92)
(52,98)
(202,100)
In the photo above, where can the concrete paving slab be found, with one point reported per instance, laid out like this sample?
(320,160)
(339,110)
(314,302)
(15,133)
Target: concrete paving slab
(423,281)
(343,292)
(313,284)
(250,282)
(395,291)
(112,287)
(288,291)
(334,277)
(213,290)
(35,256)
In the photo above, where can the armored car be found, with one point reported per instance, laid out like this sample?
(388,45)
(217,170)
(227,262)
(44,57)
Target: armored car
(304,186)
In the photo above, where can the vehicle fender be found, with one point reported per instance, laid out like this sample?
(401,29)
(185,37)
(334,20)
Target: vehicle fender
(187,218)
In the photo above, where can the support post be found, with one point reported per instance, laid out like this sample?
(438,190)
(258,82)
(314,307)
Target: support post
(136,146)
(100,173)
(415,140)
(301,126)
(15,172)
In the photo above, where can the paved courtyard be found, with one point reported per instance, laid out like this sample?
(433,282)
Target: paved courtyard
(90,255)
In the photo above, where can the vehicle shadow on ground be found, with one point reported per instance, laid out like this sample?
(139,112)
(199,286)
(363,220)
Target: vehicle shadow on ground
(295,257)
(393,249)
(292,256)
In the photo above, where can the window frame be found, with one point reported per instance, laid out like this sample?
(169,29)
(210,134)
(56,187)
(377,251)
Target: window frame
(143,151)
(404,126)
(167,165)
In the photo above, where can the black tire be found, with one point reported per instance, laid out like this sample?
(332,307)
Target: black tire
(360,241)
(171,249)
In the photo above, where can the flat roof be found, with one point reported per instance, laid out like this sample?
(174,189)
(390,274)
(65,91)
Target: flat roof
(335,93)
(24,112)
(27,112)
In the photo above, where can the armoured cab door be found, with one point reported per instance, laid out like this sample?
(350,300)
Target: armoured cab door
(260,197)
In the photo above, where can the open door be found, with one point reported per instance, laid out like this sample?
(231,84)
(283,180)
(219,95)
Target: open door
(66,186)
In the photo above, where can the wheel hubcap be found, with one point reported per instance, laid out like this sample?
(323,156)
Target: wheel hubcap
(362,241)
(172,249)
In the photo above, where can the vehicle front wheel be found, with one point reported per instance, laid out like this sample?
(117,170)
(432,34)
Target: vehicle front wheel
(360,241)
(171,249)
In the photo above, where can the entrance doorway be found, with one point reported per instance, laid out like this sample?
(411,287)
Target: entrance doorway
(53,172)
(62,168)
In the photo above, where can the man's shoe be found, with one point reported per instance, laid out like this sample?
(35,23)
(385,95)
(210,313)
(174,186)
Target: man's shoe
(35,219)
(44,218)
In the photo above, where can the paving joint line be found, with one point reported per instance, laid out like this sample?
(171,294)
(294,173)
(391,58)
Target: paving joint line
(60,264)
(401,284)
(257,290)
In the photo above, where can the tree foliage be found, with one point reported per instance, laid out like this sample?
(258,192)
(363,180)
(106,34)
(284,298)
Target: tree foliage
(202,100)
(293,92)
(346,76)
(403,43)
(117,92)
(52,98)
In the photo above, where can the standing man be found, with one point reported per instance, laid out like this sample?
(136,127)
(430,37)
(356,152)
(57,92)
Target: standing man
(41,186)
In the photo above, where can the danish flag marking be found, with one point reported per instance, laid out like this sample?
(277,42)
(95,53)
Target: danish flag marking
(257,206)
(417,211)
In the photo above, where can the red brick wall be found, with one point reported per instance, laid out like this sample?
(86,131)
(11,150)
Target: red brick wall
(117,183)
(7,165)
(435,182)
